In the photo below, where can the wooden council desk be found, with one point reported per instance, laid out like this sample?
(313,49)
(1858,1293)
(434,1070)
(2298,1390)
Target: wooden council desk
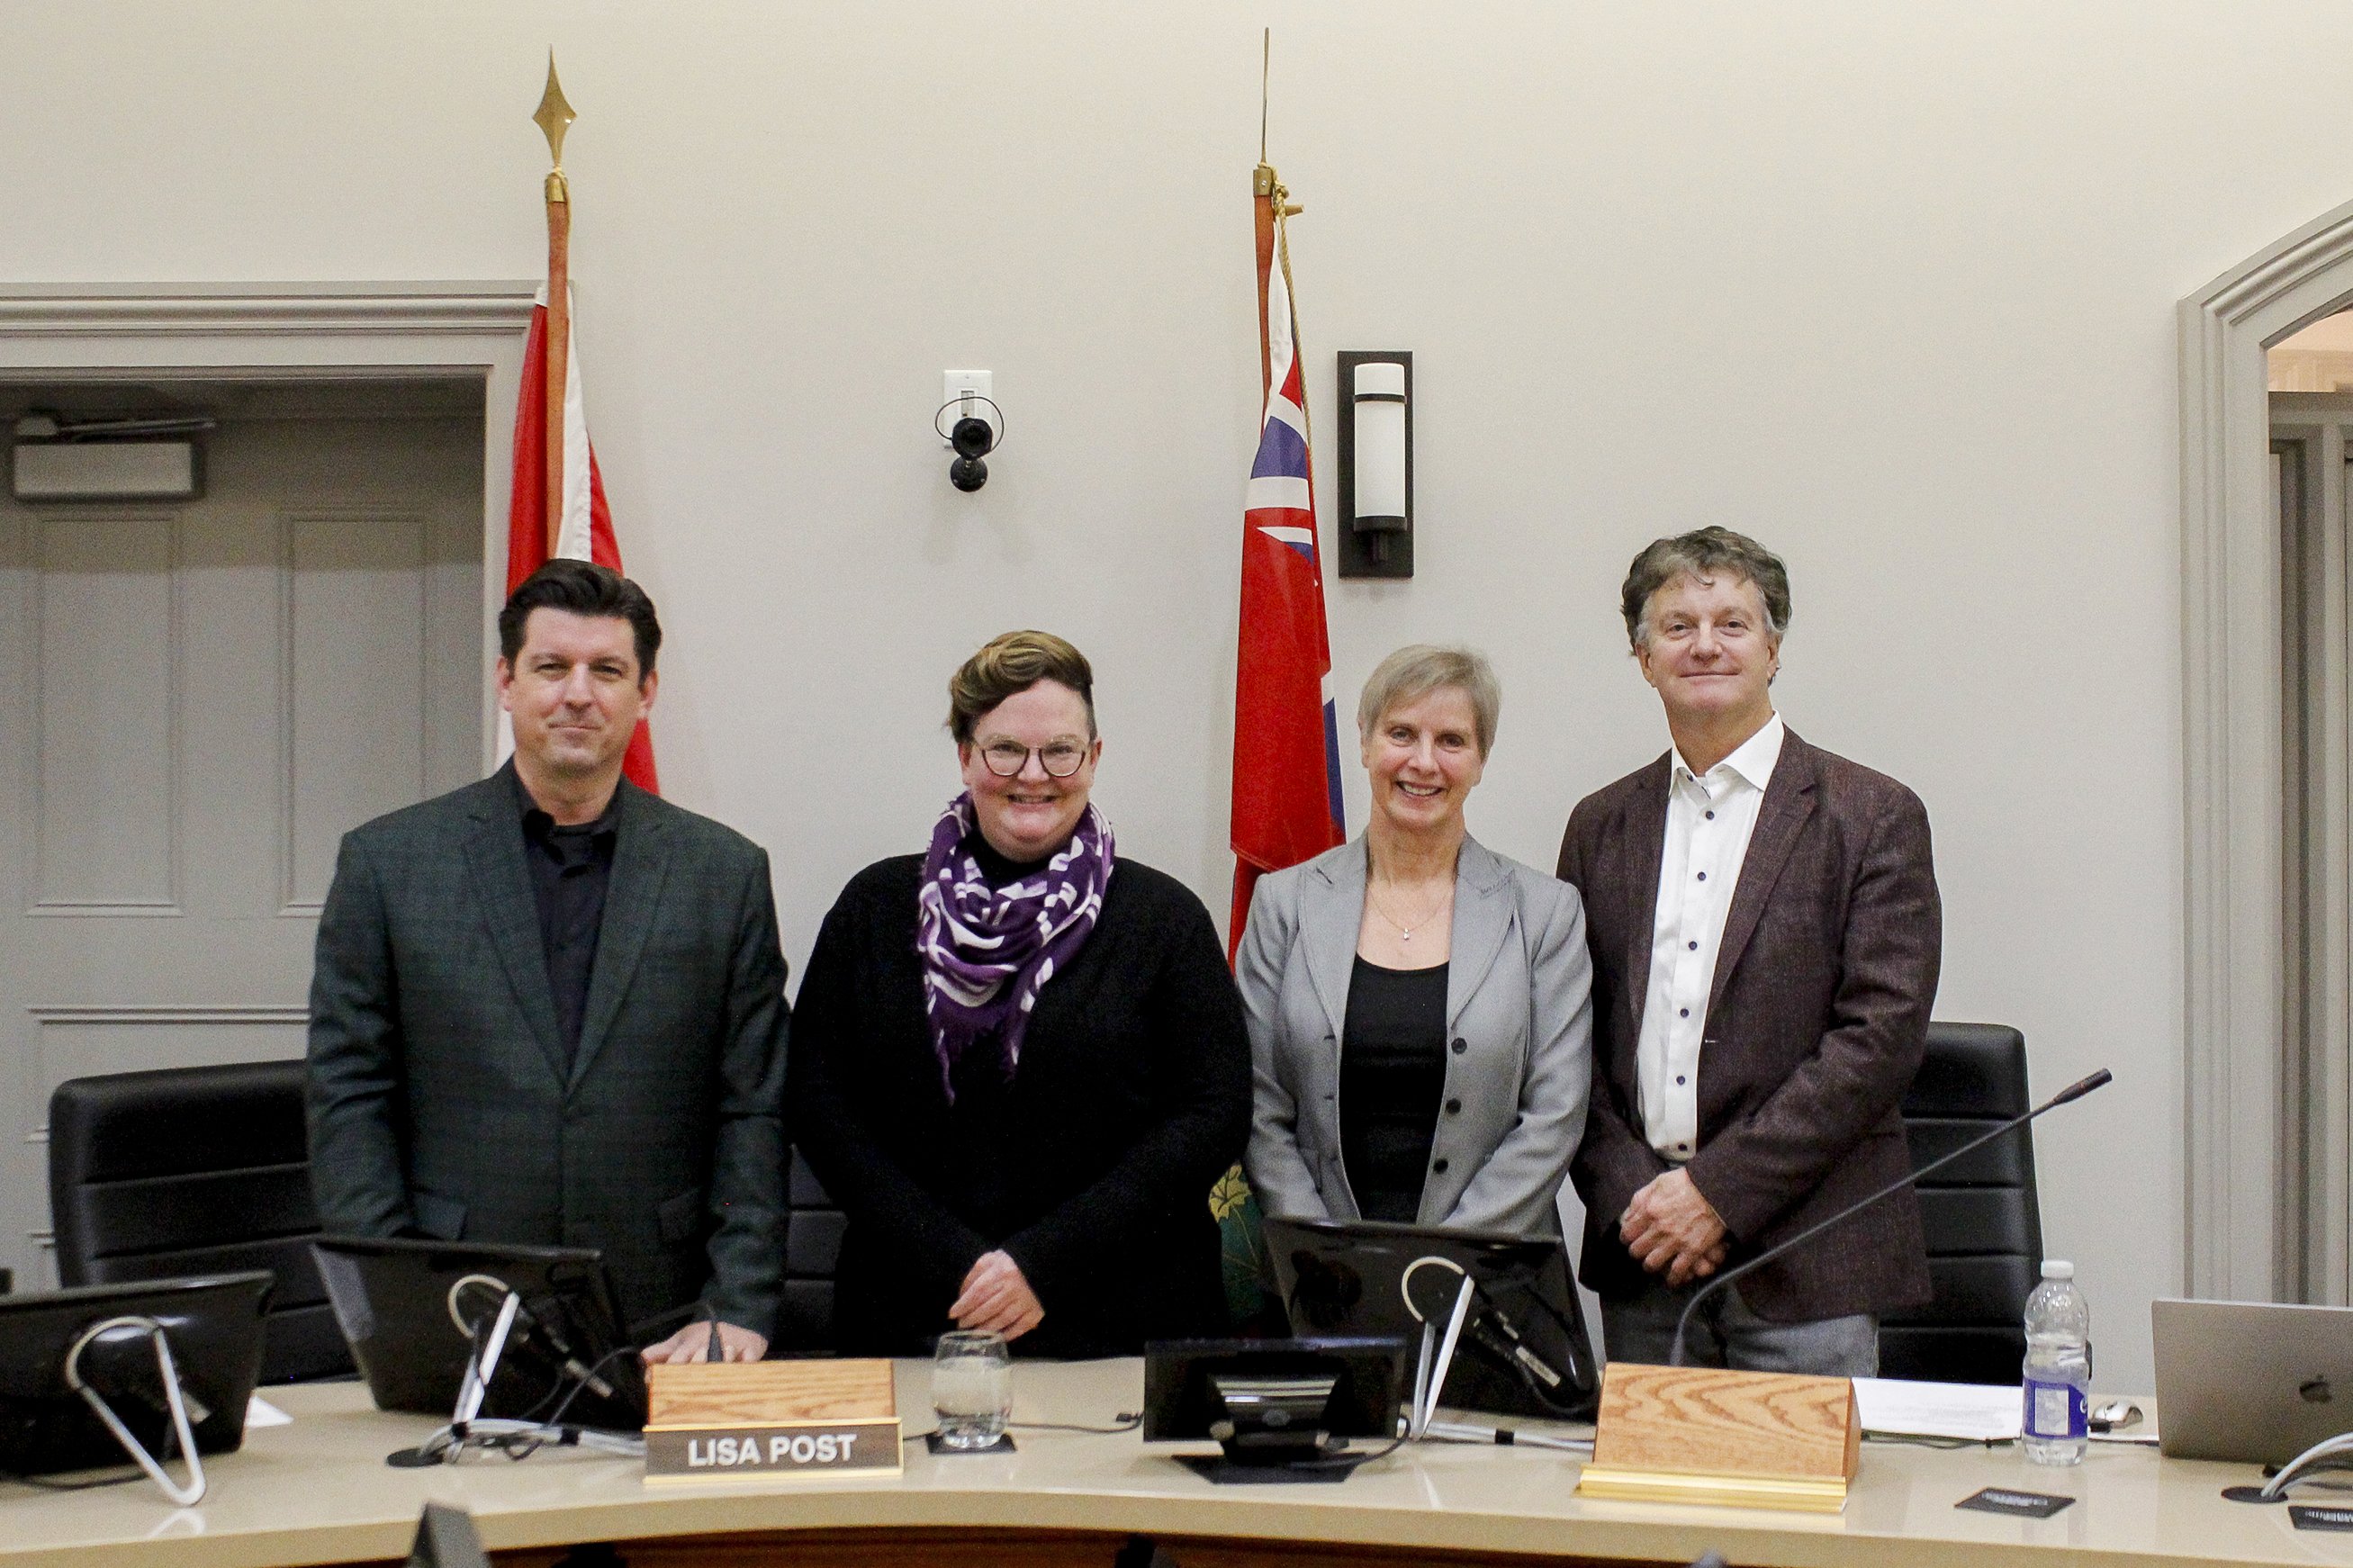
(319,1492)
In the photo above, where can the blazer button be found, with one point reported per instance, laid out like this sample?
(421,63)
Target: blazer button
(1460,1047)
(1453,1108)
(1438,1165)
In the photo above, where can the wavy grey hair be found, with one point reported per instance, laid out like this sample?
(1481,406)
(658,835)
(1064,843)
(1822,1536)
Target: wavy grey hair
(1703,553)
(1419,669)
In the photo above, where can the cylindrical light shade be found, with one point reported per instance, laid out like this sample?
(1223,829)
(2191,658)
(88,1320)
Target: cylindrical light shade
(1380,413)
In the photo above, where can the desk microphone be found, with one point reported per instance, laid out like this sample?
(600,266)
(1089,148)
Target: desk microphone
(2077,1090)
(544,1324)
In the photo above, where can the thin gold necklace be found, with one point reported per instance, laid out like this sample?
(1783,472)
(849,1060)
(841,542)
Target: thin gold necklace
(1404,932)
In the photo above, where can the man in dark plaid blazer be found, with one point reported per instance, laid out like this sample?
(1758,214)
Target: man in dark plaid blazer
(549,1008)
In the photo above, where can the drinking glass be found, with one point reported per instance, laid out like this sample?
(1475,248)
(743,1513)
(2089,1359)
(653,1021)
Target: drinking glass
(972,1388)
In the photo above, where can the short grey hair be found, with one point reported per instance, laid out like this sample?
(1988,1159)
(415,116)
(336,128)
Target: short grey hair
(1419,669)
(1703,553)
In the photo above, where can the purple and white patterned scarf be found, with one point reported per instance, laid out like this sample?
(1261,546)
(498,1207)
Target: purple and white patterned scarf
(988,951)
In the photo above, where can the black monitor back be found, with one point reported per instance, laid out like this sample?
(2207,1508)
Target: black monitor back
(1347,1276)
(1181,1401)
(391,1297)
(213,1325)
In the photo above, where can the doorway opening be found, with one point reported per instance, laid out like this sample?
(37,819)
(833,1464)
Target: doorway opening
(199,697)
(2310,378)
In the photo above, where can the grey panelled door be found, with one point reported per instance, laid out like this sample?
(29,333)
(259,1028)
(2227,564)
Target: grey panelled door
(195,701)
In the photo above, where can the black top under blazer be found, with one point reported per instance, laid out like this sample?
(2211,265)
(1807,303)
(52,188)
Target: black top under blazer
(1132,1097)
(443,1101)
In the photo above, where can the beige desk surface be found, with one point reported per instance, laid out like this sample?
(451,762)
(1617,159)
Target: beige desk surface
(319,1492)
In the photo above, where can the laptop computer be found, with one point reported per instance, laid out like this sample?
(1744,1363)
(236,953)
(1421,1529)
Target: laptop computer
(2250,1381)
(1531,1357)
(213,1323)
(409,1308)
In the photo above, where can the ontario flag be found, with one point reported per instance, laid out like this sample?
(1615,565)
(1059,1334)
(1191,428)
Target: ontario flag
(587,533)
(1286,805)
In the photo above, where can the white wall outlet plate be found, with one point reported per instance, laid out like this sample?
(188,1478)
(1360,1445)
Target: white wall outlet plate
(965,388)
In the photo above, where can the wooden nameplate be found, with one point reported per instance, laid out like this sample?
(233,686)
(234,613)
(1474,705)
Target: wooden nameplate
(1751,1439)
(730,1421)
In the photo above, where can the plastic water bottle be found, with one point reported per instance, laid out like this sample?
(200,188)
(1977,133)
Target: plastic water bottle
(2058,1367)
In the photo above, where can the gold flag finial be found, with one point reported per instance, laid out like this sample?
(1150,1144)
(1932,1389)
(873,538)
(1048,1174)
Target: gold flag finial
(554,117)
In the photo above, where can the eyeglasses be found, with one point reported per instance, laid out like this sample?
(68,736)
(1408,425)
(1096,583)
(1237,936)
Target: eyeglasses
(1060,759)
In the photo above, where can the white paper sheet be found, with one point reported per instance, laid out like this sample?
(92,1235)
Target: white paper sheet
(1984,1412)
(259,1412)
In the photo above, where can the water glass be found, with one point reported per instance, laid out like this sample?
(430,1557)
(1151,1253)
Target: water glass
(972,1388)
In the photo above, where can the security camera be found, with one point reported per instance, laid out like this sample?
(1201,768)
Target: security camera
(972,438)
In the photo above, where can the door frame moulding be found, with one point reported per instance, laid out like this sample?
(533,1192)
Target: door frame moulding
(295,331)
(2233,796)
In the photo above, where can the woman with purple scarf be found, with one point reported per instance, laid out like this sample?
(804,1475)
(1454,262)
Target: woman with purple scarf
(1019,1061)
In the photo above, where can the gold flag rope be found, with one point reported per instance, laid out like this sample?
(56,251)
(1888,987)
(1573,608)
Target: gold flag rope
(554,117)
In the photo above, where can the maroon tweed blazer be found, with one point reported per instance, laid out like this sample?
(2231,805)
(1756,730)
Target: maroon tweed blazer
(1816,1023)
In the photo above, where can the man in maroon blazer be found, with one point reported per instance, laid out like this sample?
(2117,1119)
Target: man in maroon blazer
(1765,929)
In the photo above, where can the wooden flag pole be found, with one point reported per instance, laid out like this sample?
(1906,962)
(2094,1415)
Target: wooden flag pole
(554,116)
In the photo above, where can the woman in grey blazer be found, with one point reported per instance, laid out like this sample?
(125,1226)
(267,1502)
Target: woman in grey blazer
(1419,1014)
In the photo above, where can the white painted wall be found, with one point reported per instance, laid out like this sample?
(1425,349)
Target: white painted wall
(1833,273)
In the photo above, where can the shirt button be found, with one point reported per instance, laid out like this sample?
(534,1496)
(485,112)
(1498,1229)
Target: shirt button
(1711,816)
(1453,1108)
(1693,946)
(1460,1047)
(1438,1165)
(1686,1012)
(1683,1148)
(1678,1080)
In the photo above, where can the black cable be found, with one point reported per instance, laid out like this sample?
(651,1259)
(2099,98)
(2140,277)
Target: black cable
(1126,1421)
(1926,1442)
(581,1383)
(1349,1461)
(43,1483)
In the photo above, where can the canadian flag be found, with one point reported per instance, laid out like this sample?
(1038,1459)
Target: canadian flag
(587,533)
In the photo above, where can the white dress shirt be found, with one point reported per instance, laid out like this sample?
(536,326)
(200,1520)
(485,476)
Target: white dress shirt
(1709,820)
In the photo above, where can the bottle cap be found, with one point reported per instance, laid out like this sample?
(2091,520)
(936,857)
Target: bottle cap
(2058,1268)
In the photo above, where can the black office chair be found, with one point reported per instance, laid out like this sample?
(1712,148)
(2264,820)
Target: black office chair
(196,1171)
(1984,1225)
(813,1228)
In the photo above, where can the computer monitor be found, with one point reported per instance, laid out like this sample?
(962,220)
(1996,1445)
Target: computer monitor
(1279,1408)
(213,1323)
(1524,1349)
(412,1329)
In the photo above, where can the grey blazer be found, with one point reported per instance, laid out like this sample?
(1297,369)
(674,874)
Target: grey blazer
(441,1099)
(1519,1026)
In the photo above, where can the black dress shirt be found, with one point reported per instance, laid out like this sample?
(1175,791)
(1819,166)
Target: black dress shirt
(570,870)
(1392,1077)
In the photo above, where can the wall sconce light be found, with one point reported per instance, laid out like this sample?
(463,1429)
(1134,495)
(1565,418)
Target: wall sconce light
(1376,464)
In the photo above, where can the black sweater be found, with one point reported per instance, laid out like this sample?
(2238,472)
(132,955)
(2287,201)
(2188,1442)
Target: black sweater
(1091,1168)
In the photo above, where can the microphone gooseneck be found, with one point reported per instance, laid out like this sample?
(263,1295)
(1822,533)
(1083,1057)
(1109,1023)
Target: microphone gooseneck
(2075,1091)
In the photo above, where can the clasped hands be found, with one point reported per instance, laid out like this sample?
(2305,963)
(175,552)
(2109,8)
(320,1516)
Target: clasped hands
(1671,1229)
(995,1295)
